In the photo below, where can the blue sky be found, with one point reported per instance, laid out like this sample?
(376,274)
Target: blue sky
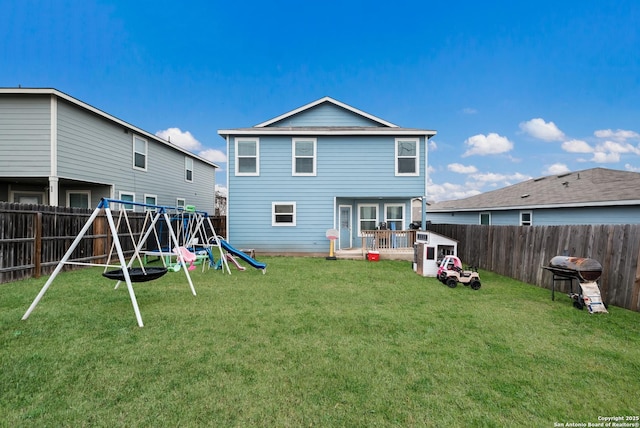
(514,89)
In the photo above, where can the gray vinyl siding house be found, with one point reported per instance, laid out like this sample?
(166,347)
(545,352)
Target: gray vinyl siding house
(591,196)
(57,150)
(325,165)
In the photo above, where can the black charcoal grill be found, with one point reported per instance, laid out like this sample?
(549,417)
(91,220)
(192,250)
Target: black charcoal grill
(566,268)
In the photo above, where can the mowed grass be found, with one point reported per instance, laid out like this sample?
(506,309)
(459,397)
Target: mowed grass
(311,343)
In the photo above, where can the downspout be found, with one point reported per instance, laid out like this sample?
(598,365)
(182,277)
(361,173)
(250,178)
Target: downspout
(226,231)
(335,212)
(423,226)
(53,154)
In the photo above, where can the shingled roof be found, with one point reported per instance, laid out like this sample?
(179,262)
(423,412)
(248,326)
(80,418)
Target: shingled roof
(589,187)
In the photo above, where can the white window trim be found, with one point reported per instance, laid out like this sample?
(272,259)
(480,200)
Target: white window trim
(360,219)
(146,152)
(417,157)
(294,157)
(188,160)
(123,206)
(181,202)
(488,213)
(403,206)
(84,192)
(530,218)
(273,214)
(155,197)
(237,160)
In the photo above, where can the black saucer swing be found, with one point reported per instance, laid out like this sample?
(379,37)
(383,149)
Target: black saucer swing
(137,274)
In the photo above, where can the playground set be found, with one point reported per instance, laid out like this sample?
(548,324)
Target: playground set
(182,238)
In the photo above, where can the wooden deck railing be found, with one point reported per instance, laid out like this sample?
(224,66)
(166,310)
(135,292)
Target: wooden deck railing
(388,240)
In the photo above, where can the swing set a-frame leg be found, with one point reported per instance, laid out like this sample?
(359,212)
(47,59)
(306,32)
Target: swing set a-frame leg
(174,240)
(73,246)
(62,261)
(125,269)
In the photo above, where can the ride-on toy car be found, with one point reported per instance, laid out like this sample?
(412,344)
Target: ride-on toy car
(450,273)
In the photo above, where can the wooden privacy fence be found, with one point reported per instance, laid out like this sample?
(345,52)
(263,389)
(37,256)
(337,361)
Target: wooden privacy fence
(520,252)
(33,238)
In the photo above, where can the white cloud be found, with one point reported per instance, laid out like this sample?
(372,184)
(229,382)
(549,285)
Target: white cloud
(222,190)
(462,169)
(433,146)
(614,147)
(603,157)
(618,135)
(555,169)
(469,110)
(487,145)
(610,151)
(473,186)
(546,131)
(631,168)
(491,177)
(577,146)
(449,191)
(180,138)
(214,155)
(187,141)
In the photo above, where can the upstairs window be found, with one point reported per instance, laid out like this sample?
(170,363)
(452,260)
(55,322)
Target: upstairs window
(283,214)
(139,153)
(304,156)
(181,202)
(407,153)
(188,169)
(247,156)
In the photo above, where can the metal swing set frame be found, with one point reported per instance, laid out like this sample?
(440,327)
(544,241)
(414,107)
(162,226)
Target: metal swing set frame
(125,271)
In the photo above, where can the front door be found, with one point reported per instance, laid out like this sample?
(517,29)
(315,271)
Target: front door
(345,227)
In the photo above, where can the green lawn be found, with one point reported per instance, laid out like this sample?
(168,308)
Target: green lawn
(311,343)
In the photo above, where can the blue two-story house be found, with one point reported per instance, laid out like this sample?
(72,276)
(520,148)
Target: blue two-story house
(325,165)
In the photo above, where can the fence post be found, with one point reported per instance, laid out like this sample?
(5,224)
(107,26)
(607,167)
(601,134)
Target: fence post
(37,245)
(98,241)
(635,293)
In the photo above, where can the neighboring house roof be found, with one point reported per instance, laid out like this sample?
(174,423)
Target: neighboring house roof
(590,187)
(83,105)
(278,125)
